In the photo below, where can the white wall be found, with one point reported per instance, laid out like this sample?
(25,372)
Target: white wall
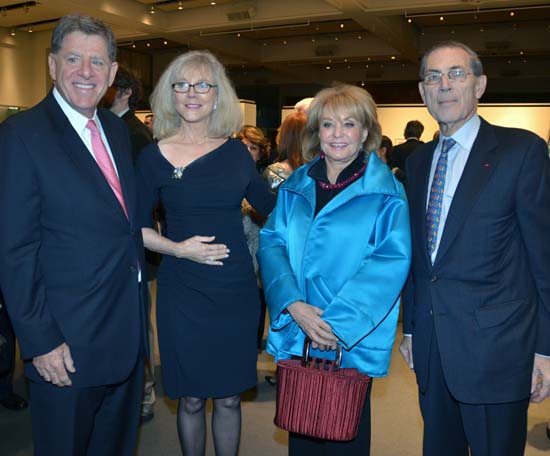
(23,68)
(393,118)
(533,117)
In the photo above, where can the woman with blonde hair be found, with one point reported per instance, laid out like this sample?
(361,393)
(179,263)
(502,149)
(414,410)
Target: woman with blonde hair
(339,230)
(207,300)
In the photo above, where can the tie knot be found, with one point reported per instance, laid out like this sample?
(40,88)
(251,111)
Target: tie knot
(447,145)
(91,125)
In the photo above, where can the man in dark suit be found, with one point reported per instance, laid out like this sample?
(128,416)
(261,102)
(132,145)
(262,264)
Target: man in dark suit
(122,98)
(400,153)
(477,302)
(70,256)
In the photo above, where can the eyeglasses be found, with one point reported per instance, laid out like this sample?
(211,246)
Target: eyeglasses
(199,87)
(434,77)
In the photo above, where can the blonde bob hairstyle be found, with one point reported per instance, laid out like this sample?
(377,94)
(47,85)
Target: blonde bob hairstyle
(224,120)
(341,100)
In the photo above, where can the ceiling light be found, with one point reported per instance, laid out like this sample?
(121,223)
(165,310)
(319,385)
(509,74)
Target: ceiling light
(362,83)
(165,42)
(341,25)
(512,13)
(327,67)
(12,33)
(213,3)
(441,18)
(30,30)
(152,9)
(148,44)
(284,42)
(393,57)
(409,20)
(180,6)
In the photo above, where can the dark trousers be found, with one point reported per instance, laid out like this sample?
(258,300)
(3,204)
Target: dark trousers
(95,421)
(6,331)
(450,426)
(301,445)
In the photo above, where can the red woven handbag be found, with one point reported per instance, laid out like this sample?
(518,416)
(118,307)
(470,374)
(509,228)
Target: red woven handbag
(316,397)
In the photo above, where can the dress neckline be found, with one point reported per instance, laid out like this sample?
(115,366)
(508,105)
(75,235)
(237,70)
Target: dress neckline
(181,168)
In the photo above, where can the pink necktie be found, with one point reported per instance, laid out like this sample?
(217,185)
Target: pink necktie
(105,164)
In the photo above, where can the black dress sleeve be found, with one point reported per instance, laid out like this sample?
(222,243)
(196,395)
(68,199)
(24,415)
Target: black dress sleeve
(257,193)
(147,171)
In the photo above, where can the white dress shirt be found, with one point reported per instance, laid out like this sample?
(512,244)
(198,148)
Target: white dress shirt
(457,158)
(78,122)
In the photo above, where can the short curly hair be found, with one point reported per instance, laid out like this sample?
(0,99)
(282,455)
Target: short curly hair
(353,101)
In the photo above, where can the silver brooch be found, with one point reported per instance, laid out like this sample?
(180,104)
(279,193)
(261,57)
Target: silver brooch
(178,172)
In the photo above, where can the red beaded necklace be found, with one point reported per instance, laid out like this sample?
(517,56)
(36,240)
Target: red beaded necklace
(339,185)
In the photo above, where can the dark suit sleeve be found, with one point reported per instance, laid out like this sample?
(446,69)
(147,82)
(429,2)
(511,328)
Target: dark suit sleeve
(533,212)
(21,272)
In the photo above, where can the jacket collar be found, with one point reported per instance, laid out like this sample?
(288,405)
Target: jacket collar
(377,179)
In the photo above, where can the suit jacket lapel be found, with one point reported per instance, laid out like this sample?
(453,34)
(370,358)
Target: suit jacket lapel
(72,145)
(479,167)
(417,200)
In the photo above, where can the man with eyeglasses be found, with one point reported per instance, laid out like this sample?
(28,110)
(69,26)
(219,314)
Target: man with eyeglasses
(477,302)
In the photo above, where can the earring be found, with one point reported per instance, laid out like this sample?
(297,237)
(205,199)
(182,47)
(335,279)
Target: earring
(215,106)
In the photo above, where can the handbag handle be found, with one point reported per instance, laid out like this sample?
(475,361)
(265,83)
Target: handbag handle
(305,354)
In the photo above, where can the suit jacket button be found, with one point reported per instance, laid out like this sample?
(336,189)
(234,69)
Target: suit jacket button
(433,279)
(431,312)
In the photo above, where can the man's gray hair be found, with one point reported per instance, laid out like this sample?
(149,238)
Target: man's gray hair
(84,24)
(475,62)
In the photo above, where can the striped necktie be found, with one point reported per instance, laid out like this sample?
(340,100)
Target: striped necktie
(433,214)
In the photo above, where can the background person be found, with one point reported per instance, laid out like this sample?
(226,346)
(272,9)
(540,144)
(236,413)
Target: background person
(208,305)
(257,144)
(317,282)
(413,132)
(477,303)
(289,150)
(259,148)
(122,98)
(8,399)
(71,254)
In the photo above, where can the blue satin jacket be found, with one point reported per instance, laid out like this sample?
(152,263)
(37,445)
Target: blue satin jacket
(351,260)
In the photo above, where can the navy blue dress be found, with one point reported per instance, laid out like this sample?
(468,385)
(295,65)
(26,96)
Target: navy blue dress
(207,316)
